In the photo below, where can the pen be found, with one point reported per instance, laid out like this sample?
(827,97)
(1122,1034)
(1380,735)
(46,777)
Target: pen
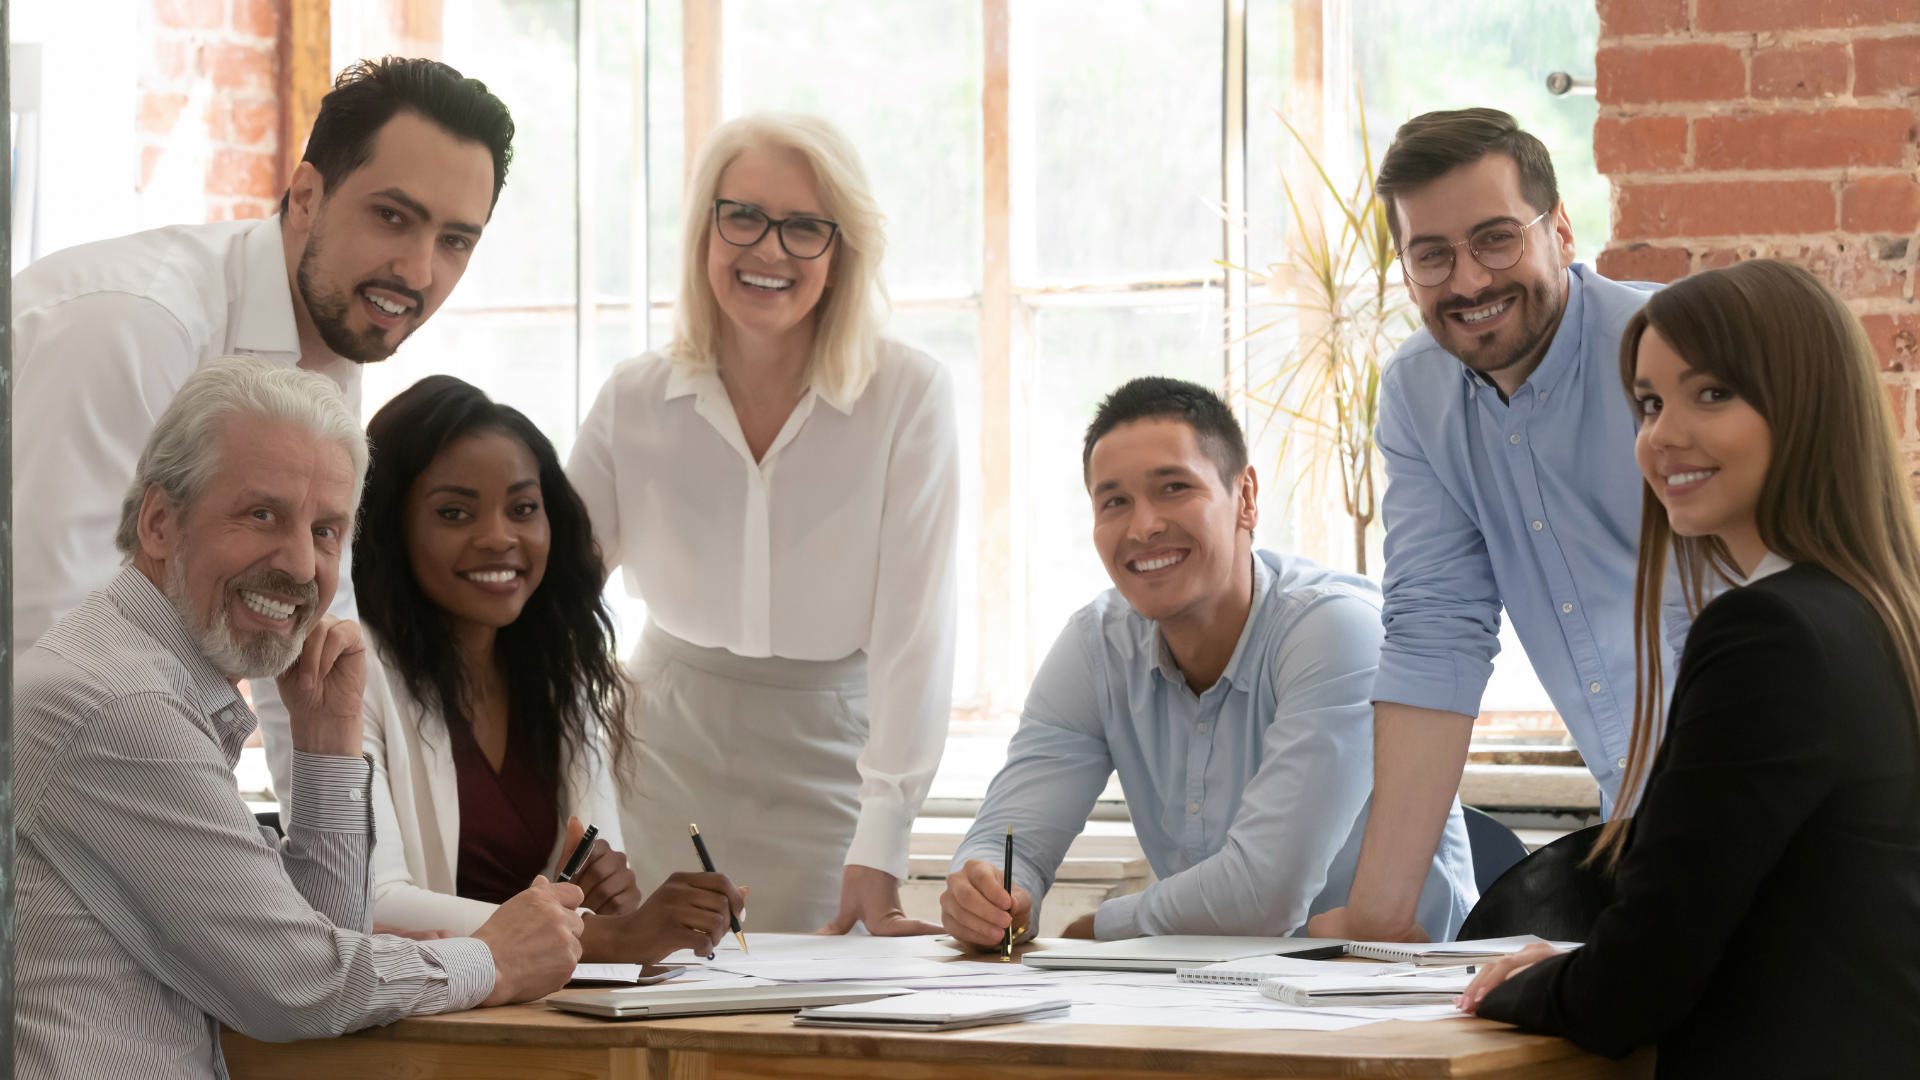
(579,856)
(1006,883)
(706,860)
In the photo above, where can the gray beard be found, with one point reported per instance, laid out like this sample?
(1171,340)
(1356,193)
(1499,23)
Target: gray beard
(256,656)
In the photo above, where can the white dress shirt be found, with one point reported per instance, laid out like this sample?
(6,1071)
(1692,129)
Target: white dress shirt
(104,334)
(416,808)
(841,538)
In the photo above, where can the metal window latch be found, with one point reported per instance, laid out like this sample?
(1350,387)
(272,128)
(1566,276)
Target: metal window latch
(1560,84)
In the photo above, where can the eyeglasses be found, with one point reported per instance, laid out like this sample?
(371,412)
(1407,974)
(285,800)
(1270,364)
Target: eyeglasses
(744,225)
(1497,247)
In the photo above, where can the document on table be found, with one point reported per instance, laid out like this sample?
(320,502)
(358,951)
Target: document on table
(821,947)
(881,969)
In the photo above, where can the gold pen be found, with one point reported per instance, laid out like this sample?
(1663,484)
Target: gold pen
(706,860)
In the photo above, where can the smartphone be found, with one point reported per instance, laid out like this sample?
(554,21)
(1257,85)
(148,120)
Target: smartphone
(624,974)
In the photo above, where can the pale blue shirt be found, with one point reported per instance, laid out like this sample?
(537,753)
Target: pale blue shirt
(1249,800)
(1532,504)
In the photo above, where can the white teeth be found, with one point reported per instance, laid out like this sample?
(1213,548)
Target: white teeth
(385,304)
(1678,479)
(1481,316)
(764,282)
(1155,564)
(493,577)
(272,609)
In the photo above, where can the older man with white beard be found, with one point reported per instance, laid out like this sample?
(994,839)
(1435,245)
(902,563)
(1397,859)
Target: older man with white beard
(151,907)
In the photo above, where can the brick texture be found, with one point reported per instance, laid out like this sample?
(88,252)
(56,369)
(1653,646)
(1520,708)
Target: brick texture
(211,94)
(1785,129)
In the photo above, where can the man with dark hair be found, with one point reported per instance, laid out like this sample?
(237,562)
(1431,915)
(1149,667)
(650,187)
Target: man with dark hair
(400,176)
(1511,483)
(1227,687)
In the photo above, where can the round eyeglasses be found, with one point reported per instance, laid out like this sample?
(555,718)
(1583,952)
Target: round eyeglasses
(1496,246)
(744,225)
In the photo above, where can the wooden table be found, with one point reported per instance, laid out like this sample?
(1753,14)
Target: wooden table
(520,1042)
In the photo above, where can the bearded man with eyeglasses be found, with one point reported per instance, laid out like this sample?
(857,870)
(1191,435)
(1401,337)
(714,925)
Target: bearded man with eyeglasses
(1511,484)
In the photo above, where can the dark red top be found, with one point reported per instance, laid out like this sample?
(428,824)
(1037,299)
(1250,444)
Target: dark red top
(509,820)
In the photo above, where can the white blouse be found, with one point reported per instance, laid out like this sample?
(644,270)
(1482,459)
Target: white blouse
(840,538)
(416,809)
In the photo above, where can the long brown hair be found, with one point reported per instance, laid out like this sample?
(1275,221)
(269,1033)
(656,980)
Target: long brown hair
(1833,494)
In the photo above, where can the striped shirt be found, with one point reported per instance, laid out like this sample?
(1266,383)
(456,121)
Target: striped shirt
(152,908)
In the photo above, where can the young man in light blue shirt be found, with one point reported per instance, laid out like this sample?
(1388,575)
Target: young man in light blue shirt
(1230,689)
(1511,483)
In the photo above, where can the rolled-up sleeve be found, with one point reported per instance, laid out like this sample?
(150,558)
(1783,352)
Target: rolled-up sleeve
(141,820)
(1315,773)
(1442,606)
(910,650)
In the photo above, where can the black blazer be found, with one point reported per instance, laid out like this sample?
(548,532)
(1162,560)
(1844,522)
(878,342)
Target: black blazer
(1767,914)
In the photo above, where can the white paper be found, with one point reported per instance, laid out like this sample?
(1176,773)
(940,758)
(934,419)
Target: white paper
(719,982)
(1273,1020)
(883,969)
(626,973)
(1254,968)
(820,947)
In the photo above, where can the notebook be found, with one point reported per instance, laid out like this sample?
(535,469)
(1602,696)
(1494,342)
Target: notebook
(1403,989)
(937,1010)
(694,1001)
(1480,951)
(1173,952)
(1250,971)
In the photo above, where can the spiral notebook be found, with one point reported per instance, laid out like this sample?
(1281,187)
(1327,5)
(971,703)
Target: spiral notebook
(1250,971)
(1427,953)
(1403,989)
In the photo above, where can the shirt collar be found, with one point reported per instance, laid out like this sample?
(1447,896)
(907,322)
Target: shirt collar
(1235,672)
(146,607)
(702,383)
(1567,340)
(1768,567)
(265,323)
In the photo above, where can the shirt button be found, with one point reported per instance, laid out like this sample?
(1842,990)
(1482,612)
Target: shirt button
(1193,808)
(1543,395)
(1566,609)
(1594,687)
(1622,763)
(1514,439)
(1537,526)
(1201,728)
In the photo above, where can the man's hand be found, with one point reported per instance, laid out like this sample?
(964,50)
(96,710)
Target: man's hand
(872,897)
(1338,923)
(1500,971)
(415,935)
(978,911)
(322,689)
(608,882)
(687,911)
(1081,927)
(535,940)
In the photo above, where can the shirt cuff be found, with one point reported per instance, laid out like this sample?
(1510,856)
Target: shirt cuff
(1449,682)
(332,793)
(1118,918)
(469,967)
(881,838)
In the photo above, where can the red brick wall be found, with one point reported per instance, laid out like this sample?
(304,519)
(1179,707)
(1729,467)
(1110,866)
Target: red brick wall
(228,50)
(1736,129)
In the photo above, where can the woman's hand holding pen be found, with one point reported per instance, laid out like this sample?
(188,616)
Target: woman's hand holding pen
(687,911)
(977,909)
(608,882)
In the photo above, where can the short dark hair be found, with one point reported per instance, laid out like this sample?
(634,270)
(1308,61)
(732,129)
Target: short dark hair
(1213,423)
(370,92)
(1433,144)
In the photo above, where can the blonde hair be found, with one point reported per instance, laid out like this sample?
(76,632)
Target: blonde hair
(846,331)
(1834,493)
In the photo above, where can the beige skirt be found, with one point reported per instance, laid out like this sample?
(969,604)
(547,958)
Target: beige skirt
(760,753)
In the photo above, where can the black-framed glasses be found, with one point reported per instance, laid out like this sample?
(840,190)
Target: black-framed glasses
(744,225)
(1497,246)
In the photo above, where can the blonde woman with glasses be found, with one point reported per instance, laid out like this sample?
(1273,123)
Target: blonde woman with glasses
(780,485)
(1766,919)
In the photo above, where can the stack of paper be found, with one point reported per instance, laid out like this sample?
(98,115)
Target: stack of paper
(933,1011)
(1482,951)
(1323,990)
(1250,971)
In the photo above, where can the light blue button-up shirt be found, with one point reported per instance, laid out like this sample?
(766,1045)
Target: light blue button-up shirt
(1249,800)
(1532,504)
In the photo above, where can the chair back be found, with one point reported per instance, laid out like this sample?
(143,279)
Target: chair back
(1495,847)
(1548,893)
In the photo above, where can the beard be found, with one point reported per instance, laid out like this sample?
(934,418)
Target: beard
(328,310)
(260,655)
(1541,315)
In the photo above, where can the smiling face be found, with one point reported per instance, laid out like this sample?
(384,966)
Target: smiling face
(1170,533)
(1499,322)
(254,561)
(1703,449)
(764,292)
(477,534)
(380,252)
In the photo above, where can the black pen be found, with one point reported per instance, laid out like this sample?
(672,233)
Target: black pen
(706,860)
(1006,883)
(579,857)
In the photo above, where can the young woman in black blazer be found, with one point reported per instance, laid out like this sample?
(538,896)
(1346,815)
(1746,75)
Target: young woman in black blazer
(1767,911)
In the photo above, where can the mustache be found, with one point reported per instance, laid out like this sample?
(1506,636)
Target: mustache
(306,594)
(394,285)
(1481,299)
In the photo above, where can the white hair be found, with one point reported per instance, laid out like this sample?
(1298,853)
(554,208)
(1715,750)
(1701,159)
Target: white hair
(183,450)
(847,332)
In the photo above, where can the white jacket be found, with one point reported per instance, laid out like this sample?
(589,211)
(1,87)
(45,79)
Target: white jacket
(416,808)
